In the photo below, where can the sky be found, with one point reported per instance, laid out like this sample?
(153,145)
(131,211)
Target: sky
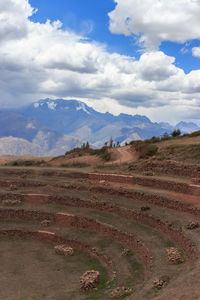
(130,56)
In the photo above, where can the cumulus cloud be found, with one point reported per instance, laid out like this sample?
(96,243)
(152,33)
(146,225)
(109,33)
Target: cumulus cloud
(13,19)
(44,60)
(196,51)
(154,21)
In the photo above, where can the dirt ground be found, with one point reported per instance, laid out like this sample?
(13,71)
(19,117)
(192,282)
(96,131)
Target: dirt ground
(120,155)
(32,270)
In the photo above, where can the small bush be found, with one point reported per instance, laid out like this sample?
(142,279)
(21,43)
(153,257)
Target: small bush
(165,137)
(155,139)
(150,150)
(144,148)
(75,150)
(194,134)
(103,153)
(176,133)
(75,165)
(26,163)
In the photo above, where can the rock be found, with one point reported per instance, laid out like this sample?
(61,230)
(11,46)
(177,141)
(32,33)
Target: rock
(102,181)
(192,225)
(148,173)
(11,202)
(174,256)
(159,283)
(13,187)
(120,292)
(46,223)
(145,208)
(90,280)
(64,250)
(196,180)
(126,252)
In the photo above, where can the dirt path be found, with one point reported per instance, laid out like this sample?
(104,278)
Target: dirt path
(120,154)
(124,155)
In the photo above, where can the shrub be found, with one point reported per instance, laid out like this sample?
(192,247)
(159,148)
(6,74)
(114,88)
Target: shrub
(75,165)
(26,163)
(176,133)
(144,148)
(150,150)
(165,137)
(195,133)
(103,153)
(155,139)
(75,150)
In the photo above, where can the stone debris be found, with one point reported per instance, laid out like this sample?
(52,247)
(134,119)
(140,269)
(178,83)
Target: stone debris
(102,181)
(145,208)
(126,252)
(148,173)
(120,292)
(13,187)
(161,282)
(90,280)
(196,180)
(11,202)
(174,256)
(46,223)
(64,250)
(192,225)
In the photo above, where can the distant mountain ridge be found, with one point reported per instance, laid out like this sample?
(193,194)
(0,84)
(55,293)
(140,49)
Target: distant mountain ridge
(57,126)
(81,121)
(36,138)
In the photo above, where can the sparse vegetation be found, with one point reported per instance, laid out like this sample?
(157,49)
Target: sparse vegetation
(75,165)
(26,163)
(103,153)
(144,148)
(176,133)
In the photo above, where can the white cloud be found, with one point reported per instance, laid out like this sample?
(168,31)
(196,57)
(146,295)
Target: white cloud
(154,21)
(196,51)
(43,60)
(13,19)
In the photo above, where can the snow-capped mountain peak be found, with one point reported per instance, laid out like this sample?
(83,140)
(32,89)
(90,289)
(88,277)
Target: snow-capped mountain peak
(82,106)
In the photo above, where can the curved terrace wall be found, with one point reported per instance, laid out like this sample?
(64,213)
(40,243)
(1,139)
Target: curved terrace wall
(68,220)
(51,237)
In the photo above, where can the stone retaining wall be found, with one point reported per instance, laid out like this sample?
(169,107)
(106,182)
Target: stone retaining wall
(173,234)
(64,219)
(26,215)
(126,239)
(179,187)
(71,220)
(51,237)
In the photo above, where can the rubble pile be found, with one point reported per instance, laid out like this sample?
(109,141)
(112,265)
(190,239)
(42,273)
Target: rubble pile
(148,173)
(11,202)
(90,280)
(161,282)
(120,292)
(196,180)
(192,225)
(64,250)
(126,252)
(46,223)
(174,256)
(13,187)
(144,208)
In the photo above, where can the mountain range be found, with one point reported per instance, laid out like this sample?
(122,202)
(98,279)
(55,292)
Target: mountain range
(52,127)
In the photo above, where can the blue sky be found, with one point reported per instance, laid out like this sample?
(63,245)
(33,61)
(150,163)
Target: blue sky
(130,56)
(90,18)
(83,16)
